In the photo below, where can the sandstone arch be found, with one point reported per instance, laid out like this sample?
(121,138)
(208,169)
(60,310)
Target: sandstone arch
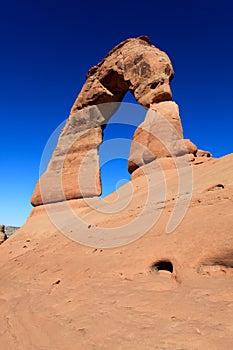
(133,65)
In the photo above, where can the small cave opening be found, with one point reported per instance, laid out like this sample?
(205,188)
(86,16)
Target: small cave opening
(162,265)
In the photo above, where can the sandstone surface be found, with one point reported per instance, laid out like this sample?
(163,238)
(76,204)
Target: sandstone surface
(150,266)
(163,291)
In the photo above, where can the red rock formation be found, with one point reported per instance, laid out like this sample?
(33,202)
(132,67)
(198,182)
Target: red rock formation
(134,65)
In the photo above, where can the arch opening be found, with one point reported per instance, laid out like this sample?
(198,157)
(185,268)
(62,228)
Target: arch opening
(115,149)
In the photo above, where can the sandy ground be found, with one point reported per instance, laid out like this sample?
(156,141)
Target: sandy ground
(58,294)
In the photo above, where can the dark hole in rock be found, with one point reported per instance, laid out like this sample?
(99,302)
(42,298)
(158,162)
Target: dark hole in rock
(154,85)
(220,185)
(162,265)
(167,70)
(215,187)
(57,282)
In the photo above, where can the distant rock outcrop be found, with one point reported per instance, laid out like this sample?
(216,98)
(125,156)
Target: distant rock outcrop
(10,230)
(136,66)
(3,235)
(7,231)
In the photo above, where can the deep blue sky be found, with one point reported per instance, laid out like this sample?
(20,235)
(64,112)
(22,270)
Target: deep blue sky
(48,46)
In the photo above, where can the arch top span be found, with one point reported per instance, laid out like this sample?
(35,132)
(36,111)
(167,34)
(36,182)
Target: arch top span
(133,65)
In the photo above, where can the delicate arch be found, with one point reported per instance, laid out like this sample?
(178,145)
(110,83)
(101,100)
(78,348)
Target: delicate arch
(133,65)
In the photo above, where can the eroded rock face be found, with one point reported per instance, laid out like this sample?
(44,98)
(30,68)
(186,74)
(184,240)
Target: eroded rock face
(134,65)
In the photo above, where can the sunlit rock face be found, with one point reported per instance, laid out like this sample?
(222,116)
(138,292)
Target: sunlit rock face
(136,66)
